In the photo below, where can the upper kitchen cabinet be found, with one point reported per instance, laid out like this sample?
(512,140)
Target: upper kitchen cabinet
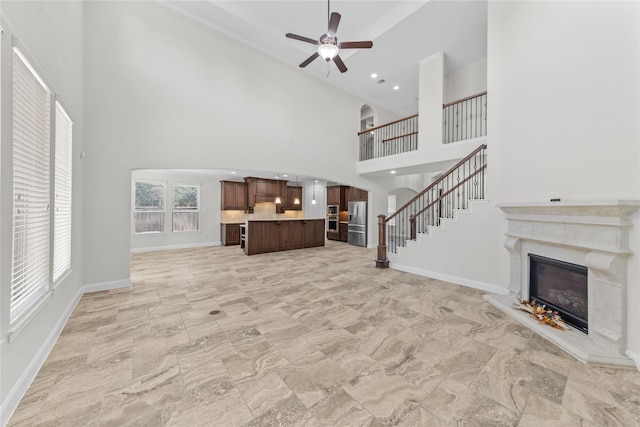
(357,195)
(293,193)
(233,195)
(265,190)
(337,195)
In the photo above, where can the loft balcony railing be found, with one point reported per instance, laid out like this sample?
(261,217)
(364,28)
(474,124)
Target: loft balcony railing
(396,137)
(451,191)
(465,118)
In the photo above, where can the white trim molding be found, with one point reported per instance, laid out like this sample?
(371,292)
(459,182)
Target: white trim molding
(170,247)
(594,234)
(9,405)
(452,279)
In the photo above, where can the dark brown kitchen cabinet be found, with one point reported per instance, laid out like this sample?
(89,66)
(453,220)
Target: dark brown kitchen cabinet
(292,194)
(230,234)
(313,233)
(265,190)
(281,191)
(357,195)
(233,195)
(271,236)
(337,195)
(261,237)
(333,235)
(291,236)
(344,231)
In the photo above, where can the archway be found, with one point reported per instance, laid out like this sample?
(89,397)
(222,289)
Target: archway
(367,117)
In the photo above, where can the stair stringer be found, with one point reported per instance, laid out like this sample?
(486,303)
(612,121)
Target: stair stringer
(461,250)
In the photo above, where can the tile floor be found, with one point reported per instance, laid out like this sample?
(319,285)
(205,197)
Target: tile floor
(315,337)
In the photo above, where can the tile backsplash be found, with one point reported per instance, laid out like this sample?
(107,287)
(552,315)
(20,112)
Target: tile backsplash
(260,211)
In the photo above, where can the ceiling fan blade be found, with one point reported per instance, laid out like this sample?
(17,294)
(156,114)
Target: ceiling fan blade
(309,60)
(356,45)
(339,63)
(333,24)
(301,38)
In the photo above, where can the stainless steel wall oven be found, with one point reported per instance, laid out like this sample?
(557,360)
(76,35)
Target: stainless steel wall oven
(332,223)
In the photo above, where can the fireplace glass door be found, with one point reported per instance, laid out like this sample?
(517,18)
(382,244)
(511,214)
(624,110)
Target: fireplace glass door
(561,286)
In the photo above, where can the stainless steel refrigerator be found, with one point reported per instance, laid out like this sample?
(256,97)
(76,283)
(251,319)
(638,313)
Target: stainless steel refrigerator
(358,223)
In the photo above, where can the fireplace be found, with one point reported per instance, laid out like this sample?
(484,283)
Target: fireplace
(561,286)
(593,234)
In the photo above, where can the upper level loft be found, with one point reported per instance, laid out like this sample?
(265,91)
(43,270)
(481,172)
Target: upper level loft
(451,121)
(463,119)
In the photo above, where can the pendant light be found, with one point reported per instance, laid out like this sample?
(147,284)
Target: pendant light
(278,200)
(296,201)
(313,201)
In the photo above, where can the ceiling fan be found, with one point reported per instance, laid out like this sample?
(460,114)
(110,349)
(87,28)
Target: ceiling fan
(328,46)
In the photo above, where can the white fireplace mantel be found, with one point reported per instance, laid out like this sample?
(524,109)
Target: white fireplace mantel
(594,234)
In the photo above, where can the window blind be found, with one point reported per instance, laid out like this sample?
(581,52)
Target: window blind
(62,194)
(31,193)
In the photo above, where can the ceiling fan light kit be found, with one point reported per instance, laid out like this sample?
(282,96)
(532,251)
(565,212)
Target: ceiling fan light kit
(328,51)
(328,47)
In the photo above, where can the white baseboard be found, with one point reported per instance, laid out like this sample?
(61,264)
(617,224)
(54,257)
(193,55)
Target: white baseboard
(452,279)
(9,405)
(170,247)
(105,286)
(635,357)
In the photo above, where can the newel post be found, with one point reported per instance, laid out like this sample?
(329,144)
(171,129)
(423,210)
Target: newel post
(382,261)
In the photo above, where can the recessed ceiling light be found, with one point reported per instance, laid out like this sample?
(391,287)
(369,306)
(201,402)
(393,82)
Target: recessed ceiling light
(374,75)
(396,87)
(285,175)
(392,172)
(233,172)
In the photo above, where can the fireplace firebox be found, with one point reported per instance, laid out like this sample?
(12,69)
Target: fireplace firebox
(561,286)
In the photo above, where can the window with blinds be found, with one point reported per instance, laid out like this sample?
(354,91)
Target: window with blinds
(186,201)
(62,194)
(31,191)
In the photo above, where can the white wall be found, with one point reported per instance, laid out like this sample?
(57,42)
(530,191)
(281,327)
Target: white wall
(209,232)
(444,253)
(563,84)
(164,92)
(403,195)
(432,154)
(466,81)
(52,35)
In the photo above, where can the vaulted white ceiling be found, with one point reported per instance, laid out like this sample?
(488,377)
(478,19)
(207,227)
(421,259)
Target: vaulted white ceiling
(403,32)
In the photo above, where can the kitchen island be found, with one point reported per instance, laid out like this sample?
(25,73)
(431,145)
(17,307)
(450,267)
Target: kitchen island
(262,236)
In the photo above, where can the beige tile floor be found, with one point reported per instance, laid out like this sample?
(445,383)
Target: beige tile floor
(314,337)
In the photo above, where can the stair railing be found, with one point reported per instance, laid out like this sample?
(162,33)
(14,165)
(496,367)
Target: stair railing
(399,136)
(465,118)
(452,190)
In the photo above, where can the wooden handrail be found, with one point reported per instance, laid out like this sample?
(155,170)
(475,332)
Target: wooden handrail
(464,99)
(399,136)
(416,115)
(442,196)
(387,124)
(437,181)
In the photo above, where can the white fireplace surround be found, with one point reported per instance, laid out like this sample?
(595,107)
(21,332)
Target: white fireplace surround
(594,234)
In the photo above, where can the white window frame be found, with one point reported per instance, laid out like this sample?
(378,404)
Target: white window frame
(135,210)
(62,201)
(175,210)
(31,260)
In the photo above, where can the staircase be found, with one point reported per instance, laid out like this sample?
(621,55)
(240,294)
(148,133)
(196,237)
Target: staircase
(427,213)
